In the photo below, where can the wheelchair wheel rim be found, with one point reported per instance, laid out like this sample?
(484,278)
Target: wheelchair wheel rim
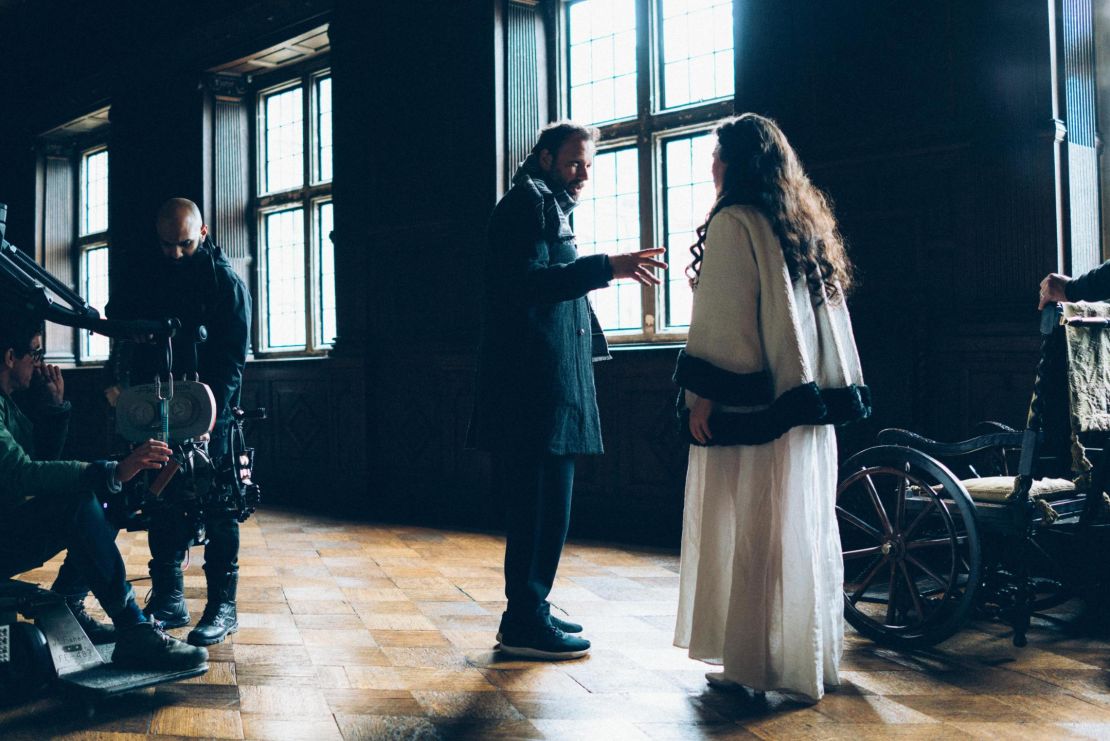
(910,552)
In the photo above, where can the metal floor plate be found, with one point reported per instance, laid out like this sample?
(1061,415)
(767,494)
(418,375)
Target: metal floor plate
(107,680)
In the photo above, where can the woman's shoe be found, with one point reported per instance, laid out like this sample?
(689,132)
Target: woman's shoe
(718,681)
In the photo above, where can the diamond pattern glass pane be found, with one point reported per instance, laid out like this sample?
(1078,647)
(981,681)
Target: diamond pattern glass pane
(283,247)
(602,59)
(696,51)
(94,193)
(94,289)
(283,146)
(323,129)
(688,194)
(607,220)
(325,274)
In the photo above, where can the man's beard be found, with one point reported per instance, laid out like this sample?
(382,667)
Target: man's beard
(573,188)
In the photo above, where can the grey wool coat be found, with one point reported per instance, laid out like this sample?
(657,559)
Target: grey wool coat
(535,385)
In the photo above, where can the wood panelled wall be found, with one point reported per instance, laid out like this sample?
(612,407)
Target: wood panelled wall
(932,125)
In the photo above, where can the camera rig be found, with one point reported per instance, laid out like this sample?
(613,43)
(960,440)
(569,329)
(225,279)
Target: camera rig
(180,413)
(195,484)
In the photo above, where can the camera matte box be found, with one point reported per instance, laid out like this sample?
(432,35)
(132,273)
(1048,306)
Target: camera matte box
(192,411)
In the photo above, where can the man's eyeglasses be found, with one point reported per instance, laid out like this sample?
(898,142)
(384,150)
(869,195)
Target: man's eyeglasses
(37,353)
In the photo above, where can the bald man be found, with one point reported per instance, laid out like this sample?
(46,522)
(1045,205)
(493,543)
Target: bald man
(193,281)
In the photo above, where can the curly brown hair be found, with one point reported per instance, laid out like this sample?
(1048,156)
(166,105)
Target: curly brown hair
(762,170)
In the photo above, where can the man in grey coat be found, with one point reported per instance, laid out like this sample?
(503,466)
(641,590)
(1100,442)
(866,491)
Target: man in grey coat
(536,407)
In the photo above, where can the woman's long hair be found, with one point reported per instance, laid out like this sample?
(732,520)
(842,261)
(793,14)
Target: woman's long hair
(762,170)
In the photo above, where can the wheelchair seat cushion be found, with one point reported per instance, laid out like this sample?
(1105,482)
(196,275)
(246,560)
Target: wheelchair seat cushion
(999,488)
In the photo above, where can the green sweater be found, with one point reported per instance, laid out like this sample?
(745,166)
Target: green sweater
(22,475)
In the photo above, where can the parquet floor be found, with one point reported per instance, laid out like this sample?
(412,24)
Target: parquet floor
(362,632)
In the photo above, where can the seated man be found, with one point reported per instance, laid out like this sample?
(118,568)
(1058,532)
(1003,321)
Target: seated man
(47,506)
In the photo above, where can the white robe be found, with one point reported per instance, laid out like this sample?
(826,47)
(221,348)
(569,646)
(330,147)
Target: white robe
(761,571)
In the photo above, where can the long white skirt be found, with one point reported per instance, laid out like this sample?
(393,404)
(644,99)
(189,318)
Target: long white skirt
(761,574)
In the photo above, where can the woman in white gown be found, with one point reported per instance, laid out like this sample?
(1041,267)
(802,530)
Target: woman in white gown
(770,364)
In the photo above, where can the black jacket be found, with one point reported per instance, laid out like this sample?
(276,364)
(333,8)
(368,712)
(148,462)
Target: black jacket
(535,386)
(1094,285)
(201,290)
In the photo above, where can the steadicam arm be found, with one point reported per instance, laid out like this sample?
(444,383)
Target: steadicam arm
(33,288)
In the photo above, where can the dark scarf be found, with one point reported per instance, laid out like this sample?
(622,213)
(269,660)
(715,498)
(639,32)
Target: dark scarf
(555,206)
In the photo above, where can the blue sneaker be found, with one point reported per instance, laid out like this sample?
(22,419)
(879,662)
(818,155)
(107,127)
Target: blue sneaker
(541,641)
(564,625)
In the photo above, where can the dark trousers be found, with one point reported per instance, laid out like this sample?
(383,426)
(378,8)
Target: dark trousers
(538,491)
(170,535)
(34,532)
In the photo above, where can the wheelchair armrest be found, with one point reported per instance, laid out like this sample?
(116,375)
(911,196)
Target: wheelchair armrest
(894,436)
(986,428)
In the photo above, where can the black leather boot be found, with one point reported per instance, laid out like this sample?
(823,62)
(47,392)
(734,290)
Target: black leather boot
(98,632)
(167,595)
(219,619)
(147,646)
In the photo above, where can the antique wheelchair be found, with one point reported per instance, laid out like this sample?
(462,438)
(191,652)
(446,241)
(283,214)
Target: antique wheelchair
(933,532)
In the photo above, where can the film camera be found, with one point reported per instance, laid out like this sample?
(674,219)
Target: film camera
(196,483)
(211,466)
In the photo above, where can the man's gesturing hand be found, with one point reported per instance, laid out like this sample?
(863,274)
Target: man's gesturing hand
(151,454)
(638,266)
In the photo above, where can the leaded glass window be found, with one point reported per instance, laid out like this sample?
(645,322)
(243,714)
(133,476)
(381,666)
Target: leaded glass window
(91,246)
(607,219)
(296,265)
(283,273)
(696,45)
(602,59)
(94,289)
(688,194)
(654,76)
(94,192)
(283,140)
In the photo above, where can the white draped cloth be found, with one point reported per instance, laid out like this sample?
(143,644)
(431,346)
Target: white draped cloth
(761,569)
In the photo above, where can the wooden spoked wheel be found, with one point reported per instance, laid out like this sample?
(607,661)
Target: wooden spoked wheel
(910,545)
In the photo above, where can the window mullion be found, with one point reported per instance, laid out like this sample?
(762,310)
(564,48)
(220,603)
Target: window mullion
(309,217)
(309,134)
(76,343)
(643,64)
(646,157)
(306,204)
(644,143)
